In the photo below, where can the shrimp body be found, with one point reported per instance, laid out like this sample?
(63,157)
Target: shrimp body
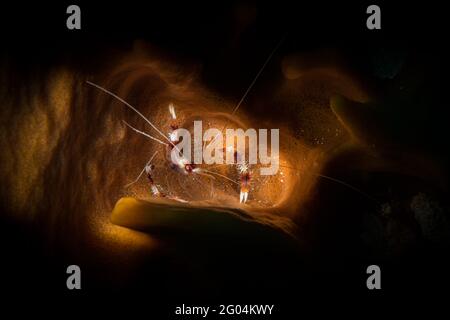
(186,167)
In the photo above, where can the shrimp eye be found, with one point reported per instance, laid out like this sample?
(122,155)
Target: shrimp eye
(189,167)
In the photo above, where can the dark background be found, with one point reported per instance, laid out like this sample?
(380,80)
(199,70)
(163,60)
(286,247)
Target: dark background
(34,37)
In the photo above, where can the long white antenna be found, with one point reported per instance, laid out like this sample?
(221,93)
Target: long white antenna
(140,174)
(144,134)
(132,108)
(220,175)
(258,74)
(250,86)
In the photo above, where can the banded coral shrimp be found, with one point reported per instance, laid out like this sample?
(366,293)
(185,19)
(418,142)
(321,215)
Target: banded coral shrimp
(182,165)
